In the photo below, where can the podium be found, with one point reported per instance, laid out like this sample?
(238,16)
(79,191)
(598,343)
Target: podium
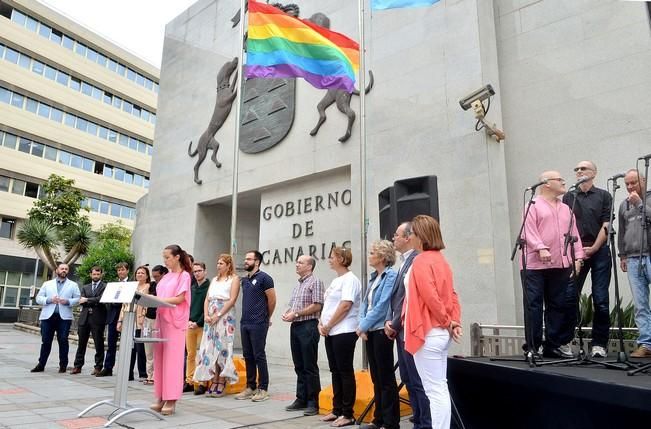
(125,292)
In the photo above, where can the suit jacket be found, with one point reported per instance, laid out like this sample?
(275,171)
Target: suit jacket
(394,314)
(92,311)
(48,291)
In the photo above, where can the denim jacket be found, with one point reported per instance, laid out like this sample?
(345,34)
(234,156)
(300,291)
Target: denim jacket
(373,319)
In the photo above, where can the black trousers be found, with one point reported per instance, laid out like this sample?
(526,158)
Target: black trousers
(379,349)
(341,352)
(304,342)
(84,332)
(138,351)
(112,340)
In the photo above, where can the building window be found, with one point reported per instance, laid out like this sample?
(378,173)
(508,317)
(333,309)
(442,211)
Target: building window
(7,227)
(4,183)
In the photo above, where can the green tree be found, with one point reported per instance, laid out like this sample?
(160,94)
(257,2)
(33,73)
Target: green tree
(56,222)
(110,247)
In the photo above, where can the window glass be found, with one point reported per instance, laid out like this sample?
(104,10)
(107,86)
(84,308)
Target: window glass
(140,80)
(112,65)
(112,136)
(75,161)
(38,67)
(75,84)
(92,128)
(56,114)
(18,187)
(32,105)
(13,279)
(117,102)
(152,119)
(128,178)
(44,110)
(23,297)
(94,204)
(142,147)
(87,164)
(145,115)
(11,55)
(136,111)
(86,88)
(131,75)
(149,84)
(97,93)
(5,95)
(17,100)
(103,207)
(31,190)
(101,60)
(80,48)
(18,17)
(64,157)
(115,210)
(81,124)
(24,145)
(31,24)
(108,98)
(70,120)
(137,179)
(150,150)
(103,132)
(11,296)
(127,107)
(51,153)
(121,69)
(50,73)
(156,86)
(91,54)
(24,61)
(68,42)
(62,78)
(56,36)
(4,184)
(37,149)
(119,174)
(145,183)
(133,143)
(44,30)
(10,141)
(2,50)
(124,140)
(108,171)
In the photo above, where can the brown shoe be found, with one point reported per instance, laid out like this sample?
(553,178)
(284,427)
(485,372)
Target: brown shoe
(641,352)
(75,370)
(96,371)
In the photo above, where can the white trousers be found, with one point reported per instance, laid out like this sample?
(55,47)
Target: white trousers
(148,325)
(432,364)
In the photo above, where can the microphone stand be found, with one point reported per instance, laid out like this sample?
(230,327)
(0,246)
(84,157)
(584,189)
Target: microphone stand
(521,243)
(645,226)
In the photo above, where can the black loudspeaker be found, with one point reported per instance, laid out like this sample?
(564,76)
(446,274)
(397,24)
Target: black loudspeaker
(406,199)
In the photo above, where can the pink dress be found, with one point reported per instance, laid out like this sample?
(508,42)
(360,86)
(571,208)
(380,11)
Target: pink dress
(172,322)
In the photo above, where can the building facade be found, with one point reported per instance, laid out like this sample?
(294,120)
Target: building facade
(571,81)
(73,104)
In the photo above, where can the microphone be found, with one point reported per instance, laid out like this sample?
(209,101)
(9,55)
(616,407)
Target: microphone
(645,157)
(533,187)
(617,176)
(578,182)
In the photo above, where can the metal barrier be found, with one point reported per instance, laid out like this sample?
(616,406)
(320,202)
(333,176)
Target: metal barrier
(507,340)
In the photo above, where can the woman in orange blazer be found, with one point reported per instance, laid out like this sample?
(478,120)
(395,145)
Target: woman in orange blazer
(432,316)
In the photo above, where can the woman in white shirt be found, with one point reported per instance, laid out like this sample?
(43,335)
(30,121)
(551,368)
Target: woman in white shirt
(338,324)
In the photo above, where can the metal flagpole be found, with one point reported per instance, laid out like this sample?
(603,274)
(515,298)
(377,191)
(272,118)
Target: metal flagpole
(362,159)
(236,145)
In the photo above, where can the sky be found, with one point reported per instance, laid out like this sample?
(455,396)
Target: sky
(136,25)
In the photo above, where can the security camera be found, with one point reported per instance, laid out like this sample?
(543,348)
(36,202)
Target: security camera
(480,95)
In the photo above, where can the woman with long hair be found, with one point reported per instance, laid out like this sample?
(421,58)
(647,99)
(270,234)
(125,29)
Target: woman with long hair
(215,358)
(174,288)
(432,316)
(138,350)
(157,274)
(338,324)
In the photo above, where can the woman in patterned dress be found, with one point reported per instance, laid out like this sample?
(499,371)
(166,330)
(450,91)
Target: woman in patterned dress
(215,358)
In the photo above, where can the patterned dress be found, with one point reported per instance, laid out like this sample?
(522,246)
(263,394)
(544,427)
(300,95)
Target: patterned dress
(217,340)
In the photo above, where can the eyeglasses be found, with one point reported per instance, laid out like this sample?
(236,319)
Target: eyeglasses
(560,179)
(577,169)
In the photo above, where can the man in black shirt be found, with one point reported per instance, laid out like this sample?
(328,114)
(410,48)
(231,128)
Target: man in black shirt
(592,211)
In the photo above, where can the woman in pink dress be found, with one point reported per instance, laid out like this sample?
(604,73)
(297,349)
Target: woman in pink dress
(174,288)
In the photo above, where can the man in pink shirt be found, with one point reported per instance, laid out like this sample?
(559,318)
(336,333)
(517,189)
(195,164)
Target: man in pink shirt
(548,270)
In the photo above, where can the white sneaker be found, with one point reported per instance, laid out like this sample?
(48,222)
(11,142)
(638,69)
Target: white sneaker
(247,393)
(566,350)
(598,352)
(261,395)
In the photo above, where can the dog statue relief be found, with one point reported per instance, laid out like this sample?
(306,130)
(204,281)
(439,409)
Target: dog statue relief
(226,93)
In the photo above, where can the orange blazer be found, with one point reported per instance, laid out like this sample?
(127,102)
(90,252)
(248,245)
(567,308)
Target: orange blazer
(431,300)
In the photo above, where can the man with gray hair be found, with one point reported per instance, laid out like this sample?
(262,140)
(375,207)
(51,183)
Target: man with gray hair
(303,313)
(633,237)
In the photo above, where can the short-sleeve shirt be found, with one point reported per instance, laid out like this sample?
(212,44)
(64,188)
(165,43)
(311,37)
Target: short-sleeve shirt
(254,298)
(592,210)
(342,288)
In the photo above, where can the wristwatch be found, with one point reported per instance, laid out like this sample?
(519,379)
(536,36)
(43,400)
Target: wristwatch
(296,315)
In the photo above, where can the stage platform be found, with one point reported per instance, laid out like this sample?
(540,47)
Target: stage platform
(497,394)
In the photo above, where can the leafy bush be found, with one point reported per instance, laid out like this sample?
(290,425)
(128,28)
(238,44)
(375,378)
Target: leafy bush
(105,253)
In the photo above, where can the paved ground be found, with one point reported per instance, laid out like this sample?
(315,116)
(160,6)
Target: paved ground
(52,400)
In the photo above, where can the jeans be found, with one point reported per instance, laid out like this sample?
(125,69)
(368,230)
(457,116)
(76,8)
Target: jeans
(432,363)
(341,351)
(304,342)
(417,397)
(62,328)
(547,286)
(640,282)
(254,341)
(599,265)
(379,349)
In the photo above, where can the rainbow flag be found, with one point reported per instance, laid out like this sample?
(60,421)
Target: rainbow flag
(282,46)
(394,4)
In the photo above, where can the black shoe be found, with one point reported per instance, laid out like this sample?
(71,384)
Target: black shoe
(37,368)
(412,419)
(369,426)
(311,411)
(105,373)
(62,369)
(187,387)
(296,406)
(131,378)
(554,353)
(200,390)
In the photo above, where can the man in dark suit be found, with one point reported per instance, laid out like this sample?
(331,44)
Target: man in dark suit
(112,316)
(92,321)
(393,328)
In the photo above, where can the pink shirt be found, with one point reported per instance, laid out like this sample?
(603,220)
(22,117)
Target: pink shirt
(544,229)
(171,285)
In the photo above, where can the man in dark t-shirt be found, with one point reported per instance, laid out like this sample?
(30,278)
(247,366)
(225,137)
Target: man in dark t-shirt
(258,304)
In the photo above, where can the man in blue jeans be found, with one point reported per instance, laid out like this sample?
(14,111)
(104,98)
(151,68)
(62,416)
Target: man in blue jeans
(57,297)
(258,304)
(592,212)
(633,238)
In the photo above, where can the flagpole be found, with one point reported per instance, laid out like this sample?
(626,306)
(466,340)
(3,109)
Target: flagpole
(236,145)
(362,160)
